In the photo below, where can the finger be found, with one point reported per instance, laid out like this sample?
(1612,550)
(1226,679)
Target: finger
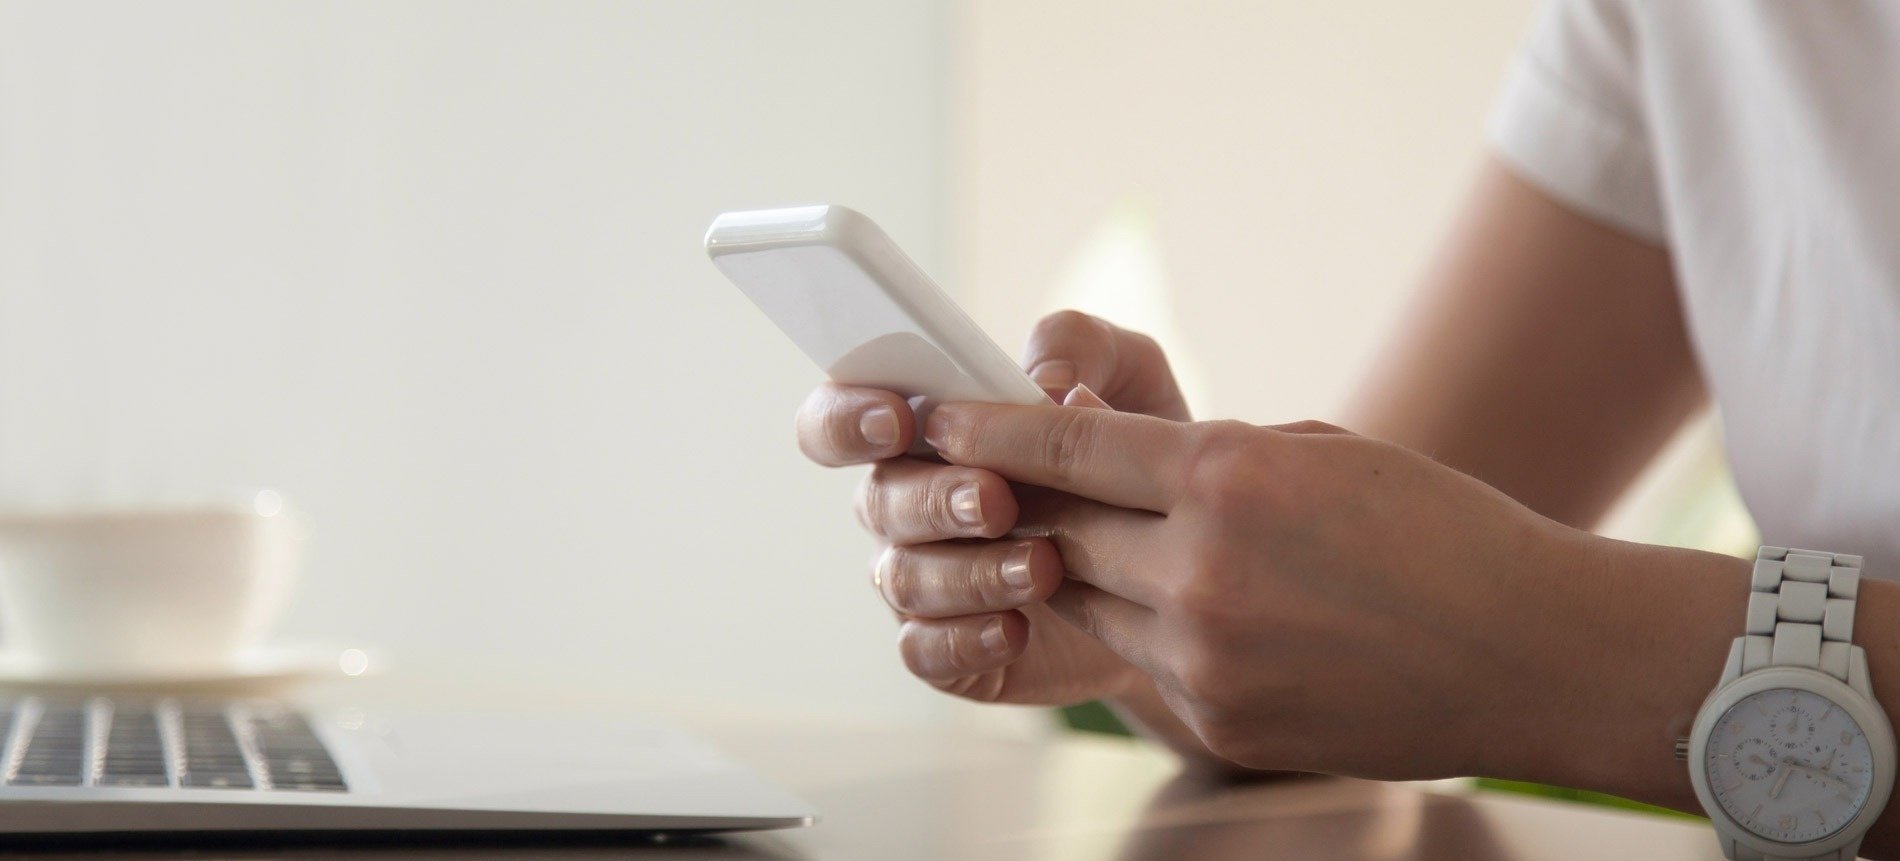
(1101,545)
(840,425)
(946,579)
(943,650)
(911,501)
(1126,628)
(1124,459)
(1070,348)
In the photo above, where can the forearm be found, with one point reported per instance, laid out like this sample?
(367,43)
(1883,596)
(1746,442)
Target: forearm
(1546,355)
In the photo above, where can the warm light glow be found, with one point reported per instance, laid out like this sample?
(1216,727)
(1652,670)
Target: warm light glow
(268,503)
(1118,275)
(353,662)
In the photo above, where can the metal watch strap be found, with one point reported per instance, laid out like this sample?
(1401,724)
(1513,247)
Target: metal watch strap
(1800,614)
(1801,611)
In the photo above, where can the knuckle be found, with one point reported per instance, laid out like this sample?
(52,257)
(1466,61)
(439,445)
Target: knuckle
(1067,320)
(936,503)
(1206,603)
(1081,614)
(953,439)
(837,429)
(1141,348)
(1224,464)
(1073,335)
(937,651)
(981,583)
(966,649)
(955,650)
(1068,442)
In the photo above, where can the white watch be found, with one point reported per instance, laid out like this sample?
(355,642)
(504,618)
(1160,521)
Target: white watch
(1791,756)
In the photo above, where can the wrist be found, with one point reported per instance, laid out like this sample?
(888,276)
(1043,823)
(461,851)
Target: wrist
(1631,639)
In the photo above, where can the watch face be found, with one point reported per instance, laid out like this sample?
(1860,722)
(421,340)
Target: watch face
(1789,765)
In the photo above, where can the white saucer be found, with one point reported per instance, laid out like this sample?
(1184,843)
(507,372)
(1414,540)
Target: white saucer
(259,665)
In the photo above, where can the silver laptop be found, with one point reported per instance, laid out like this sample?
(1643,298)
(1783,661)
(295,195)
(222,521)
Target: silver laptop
(103,764)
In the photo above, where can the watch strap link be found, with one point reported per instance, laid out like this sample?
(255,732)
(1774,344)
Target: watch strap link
(1801,611)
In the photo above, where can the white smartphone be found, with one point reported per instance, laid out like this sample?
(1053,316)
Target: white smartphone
(853,302)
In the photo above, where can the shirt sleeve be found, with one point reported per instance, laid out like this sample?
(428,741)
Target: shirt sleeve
(1571,118)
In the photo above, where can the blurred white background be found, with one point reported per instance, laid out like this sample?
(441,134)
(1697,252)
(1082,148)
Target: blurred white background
(434,269)
(1284,167)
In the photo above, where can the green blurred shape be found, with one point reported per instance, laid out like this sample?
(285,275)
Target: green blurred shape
(1580,796)
(1093,717)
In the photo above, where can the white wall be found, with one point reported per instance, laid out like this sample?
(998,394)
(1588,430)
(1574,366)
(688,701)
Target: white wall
(434,269)
(1295,160)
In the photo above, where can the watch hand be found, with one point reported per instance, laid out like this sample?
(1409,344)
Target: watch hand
(1775,791)
(1831,778)
(1789,765)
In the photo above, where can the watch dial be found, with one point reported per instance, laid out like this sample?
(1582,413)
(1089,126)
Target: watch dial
(1789,765)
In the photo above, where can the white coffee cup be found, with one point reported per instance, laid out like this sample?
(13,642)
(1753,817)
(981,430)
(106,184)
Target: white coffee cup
(144,592)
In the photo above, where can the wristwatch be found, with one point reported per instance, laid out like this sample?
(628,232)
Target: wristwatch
(1791,756)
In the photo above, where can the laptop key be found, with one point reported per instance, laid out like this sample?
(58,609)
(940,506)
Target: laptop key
(134,780)
(45,779)
(293,754)
(55,754)
(218,781)
(134,756)
(331,786)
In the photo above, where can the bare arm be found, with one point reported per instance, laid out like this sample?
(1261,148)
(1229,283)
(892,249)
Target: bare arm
(1546,355)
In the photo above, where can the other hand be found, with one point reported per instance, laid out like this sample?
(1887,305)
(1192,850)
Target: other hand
(967,567)
(1304,598)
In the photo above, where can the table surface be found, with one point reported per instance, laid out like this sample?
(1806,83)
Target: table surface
(948,795)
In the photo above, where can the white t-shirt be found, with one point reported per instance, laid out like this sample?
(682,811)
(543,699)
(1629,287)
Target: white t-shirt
(1759,140)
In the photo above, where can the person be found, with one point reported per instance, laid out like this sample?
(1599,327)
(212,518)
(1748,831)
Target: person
(1682,202)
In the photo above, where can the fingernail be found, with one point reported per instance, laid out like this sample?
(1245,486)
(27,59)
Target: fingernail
(1016,568)
(878,425)
(966,503)
(1054,374)
(1083,396)
(994,639)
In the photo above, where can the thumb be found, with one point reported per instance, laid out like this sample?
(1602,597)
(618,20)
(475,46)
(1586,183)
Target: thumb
(1070,348)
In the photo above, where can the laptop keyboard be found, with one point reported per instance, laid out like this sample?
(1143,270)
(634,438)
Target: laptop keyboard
(237,744)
